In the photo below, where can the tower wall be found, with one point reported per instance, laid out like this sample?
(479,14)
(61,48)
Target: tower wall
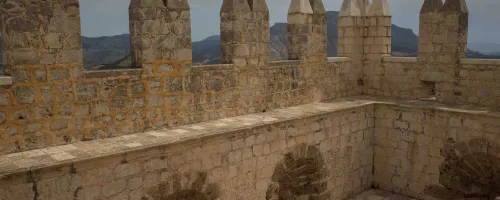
(376,43)
(160,30)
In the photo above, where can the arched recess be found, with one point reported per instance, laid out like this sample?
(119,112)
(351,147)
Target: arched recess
(195,188)
(471,169)
(301,174)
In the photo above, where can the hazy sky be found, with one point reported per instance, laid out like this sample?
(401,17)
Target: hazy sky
(110,17)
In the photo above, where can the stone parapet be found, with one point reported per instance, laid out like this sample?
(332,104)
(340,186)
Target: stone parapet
(346,146)
(61,104)
(245,157)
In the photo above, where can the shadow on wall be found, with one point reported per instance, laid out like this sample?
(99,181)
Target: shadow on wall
(301,174)
(470,170)
(196,188)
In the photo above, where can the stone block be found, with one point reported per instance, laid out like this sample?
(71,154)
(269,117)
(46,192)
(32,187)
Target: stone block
(24,95)
(137,102)
(32,128)
(87,91)
(2,117)
(59,124)
(59,74)
(4,99)
(174,84)
(114,187)
(155,101)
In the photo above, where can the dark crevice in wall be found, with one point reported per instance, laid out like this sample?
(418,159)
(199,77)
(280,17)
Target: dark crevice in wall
(75,194)
(31,179)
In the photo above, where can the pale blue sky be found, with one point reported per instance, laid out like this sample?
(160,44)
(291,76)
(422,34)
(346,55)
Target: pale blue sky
(110,17)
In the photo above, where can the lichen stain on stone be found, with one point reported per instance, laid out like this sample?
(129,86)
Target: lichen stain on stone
(300,175)
(470,170)
(196,188)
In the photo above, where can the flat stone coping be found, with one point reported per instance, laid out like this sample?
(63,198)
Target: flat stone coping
(470,61)
(379,195)
(400,59)
(88,150)
(339,59)
(5,80)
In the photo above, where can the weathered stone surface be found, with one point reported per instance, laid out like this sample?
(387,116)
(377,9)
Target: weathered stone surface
(431,6)
(33,34)
(349,8)
(458,6)
(160,30)
(300,6)
(364,6)
(379,8)
(245,32)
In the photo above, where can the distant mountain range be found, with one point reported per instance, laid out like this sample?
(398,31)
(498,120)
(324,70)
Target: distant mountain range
(486,48)
(113,51)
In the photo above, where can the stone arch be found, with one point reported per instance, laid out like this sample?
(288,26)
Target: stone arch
(471,170)
(184,186)
(301,174)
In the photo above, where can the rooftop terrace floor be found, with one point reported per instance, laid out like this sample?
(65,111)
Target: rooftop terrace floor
(379,195)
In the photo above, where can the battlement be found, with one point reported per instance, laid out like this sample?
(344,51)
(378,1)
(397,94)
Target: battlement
(51,100)
(48,102)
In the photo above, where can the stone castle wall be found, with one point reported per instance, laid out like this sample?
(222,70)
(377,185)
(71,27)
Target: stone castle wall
(260,156)
(415,151)
(67,105)
(52,101)
(323,150)
(477,82)
(248,128)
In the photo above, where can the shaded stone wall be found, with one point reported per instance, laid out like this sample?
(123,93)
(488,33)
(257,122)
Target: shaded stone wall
(159,30)
(245,33)
(376,43)
(233,158)
(449,28)
(401,79)
(478,81)
(306,30)
(319,31)
(412,146)
(299,35)
(235,37)
(40,33)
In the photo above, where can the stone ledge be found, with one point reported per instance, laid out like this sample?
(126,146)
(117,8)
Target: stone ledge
(112,73)
(469,61)
(284,62)
(339,59)
(83,151)
(199,68)
(400,59)
(5,80)
(68,154)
